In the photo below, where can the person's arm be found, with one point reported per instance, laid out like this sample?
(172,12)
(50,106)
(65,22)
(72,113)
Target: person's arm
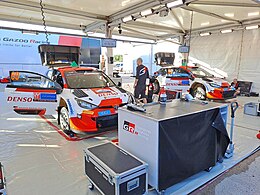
(137,76)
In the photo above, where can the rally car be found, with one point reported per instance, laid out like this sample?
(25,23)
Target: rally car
(84,98)
(199,82)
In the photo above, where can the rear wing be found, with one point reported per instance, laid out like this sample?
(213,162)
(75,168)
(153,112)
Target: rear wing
(58,55)
(164,59)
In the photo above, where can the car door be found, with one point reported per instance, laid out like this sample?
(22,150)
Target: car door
(177,79)
(31,93)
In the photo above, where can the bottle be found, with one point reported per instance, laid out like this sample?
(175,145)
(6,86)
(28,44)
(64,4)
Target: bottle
(163,96)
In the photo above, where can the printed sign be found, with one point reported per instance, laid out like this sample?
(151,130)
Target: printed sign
(44,97)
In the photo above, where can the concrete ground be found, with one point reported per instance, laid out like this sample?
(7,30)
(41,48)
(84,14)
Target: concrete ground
(244,178)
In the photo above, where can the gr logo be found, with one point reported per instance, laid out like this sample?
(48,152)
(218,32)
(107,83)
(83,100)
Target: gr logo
(130,127)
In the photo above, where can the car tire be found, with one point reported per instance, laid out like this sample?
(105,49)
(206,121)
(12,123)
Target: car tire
(199,92)
(156,87)
(64,119)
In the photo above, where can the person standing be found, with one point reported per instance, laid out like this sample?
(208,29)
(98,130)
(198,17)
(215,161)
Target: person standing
(142,74)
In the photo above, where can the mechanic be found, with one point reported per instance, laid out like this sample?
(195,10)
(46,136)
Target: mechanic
(236,85)
(142,74)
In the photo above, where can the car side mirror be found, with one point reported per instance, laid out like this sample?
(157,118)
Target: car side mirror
(119,84)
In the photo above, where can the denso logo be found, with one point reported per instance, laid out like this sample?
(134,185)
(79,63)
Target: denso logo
(19,99)
(130,127)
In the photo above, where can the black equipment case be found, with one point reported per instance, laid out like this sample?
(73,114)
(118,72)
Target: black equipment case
(2,181)
(113,171)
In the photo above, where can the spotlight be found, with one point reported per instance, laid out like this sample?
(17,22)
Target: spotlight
(127,19)
(175,3)
(205,34)
(226,31)
(146,12)
(252,27)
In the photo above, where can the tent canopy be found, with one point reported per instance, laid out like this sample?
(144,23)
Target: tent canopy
(91,16)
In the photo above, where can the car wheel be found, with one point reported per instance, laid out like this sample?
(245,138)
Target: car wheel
(199,92)
(156,87)
(64,119)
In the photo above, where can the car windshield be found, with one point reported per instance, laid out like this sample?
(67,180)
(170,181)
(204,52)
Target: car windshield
(85,79)
(199,72)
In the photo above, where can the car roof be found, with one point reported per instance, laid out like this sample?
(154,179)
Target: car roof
(69,68)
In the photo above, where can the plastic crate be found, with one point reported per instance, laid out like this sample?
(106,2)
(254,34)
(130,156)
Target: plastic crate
(251,108)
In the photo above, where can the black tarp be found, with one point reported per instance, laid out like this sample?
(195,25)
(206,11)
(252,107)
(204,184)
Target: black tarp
(190,144)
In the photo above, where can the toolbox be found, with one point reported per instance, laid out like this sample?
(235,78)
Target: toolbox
(113,171)
(2,181)
(252,108)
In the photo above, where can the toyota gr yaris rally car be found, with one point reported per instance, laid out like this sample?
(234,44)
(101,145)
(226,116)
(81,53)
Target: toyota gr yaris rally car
(196,80)
(83,99)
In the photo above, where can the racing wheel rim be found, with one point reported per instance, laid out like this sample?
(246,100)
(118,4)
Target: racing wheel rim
(200,93)
(64,119)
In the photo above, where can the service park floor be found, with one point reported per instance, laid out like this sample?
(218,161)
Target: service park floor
(38,161)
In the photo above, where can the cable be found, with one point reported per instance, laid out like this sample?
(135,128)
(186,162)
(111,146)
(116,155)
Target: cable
(44,22)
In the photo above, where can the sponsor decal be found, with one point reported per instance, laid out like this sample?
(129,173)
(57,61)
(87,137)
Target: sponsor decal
(104,92)
(130,127)
(178,83)
(44,97)
(104,113)
(70,107)
(19,99)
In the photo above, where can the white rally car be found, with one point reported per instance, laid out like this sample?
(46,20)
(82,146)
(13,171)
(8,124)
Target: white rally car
(196,80)
(83,98)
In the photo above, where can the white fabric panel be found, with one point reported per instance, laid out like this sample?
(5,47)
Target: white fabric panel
(223,51)
(250,61)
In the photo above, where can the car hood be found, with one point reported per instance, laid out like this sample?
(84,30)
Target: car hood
(102,97)
(218,81)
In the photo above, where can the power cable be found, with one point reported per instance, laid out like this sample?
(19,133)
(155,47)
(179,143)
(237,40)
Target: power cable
(44,22)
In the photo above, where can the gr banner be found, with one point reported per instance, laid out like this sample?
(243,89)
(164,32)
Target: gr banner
(17,48)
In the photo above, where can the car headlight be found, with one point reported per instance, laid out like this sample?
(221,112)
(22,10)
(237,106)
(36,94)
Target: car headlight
(84,104)
(214,85)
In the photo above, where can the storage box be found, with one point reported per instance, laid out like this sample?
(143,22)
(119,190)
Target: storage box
(2,181)
(112,170)
(251,108)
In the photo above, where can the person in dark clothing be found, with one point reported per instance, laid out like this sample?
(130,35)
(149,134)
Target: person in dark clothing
(236,85)
(142,74)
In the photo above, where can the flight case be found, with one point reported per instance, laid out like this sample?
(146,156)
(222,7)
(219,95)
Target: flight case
(113,171)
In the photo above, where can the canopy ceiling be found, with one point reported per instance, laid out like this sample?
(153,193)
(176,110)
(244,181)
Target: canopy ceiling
(91,16)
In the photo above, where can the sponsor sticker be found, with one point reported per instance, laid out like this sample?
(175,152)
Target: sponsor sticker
(104,113)
(70,107)
(19,99)
(130,127)
(45,97)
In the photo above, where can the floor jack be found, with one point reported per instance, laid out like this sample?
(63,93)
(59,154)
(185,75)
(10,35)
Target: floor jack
(230,150)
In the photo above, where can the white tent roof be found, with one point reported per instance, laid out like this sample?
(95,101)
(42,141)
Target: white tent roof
(91,16)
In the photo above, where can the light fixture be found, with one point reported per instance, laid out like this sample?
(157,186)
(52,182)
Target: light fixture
(127,19)
(226,31)
(253,14)
(175,3)
(146,12)
(231,15)
(204,24)
(252,27)
(205,34)
(30,32)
